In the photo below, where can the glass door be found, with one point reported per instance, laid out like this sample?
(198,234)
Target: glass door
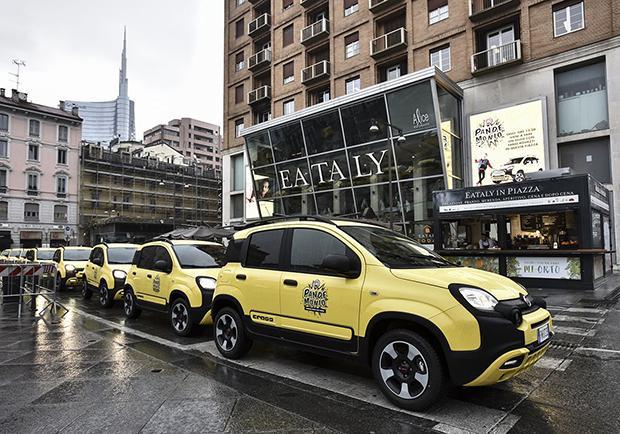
(499,47)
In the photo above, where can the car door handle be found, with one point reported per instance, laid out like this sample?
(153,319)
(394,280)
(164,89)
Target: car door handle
(133,273)
(149,276)
(290,282)
(241,277)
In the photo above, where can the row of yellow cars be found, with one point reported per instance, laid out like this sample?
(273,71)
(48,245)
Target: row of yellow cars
(338,287)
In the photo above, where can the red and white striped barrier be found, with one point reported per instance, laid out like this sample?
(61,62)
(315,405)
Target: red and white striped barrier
(15,270)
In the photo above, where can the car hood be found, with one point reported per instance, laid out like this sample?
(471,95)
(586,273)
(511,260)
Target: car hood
(500,287)
(76,264)
(203,272)
(123,267)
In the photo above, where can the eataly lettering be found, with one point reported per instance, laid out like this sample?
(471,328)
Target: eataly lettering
(331,172)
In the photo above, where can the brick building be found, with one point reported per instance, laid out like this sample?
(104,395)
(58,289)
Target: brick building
(284,57)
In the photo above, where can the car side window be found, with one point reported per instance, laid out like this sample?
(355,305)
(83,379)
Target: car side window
(161,254)
(99,257)
(309,248)
(147,257)
(56,257)
(264,249)
(30,255)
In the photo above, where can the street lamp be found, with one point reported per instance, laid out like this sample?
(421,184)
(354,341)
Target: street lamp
(373,130)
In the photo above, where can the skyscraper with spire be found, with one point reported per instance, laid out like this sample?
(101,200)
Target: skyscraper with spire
(105,121)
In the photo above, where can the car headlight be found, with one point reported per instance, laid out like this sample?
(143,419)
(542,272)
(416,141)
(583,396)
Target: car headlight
(479,299)
(119,274)
(207,283)
(69,268)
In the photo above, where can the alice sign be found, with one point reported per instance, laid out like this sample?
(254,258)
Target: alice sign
(362,165)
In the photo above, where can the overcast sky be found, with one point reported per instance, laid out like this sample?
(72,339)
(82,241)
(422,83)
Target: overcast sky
(72,49)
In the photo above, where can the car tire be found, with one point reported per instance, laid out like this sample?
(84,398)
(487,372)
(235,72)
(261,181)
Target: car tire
(520,176)
(131,309)
(86,291)
(180,317)
(60,283)
(229,334)
(105,297)
(408,370)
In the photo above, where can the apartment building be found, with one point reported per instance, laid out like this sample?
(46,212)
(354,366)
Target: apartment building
(129,193)
(194,139)
(38,173)
(286,59)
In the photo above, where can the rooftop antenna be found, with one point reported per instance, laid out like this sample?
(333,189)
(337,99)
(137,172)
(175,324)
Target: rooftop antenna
(19,64)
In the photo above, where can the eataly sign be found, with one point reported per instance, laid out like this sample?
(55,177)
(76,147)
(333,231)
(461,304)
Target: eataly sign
(364,165)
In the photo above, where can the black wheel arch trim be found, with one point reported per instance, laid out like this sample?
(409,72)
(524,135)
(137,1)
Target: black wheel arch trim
(225,300)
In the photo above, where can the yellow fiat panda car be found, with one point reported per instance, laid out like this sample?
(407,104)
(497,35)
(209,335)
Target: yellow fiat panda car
(40,254)
(360,290)
(106,270)
(70,263)
(175,277)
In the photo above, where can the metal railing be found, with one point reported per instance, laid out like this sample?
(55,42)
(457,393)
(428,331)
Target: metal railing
(477,6)
(314,30)
(318,70)
(375,5)
(260,59)
(263,22)
(259,94)
(384,43)
(496,56)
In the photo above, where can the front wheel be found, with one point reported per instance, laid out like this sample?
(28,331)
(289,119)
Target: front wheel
(86,292)
(520,176)
(129,305)
(105,297)
(230,336)
(408,370)
(60,283)
(180,318)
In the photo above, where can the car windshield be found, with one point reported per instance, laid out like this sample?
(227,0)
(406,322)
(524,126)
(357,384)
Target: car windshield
(199,255)
(393,249)
(77,255)
(515,160)
(121,255)
(45,255)
(15,253)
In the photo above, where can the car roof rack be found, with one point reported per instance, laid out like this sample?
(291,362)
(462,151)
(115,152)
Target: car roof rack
(283,218)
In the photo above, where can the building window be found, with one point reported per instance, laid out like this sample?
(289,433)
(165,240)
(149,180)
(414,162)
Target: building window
(3,179)
(63,133)
(568,19)
(588,156)
(61,186)
(4,148)
(60,213)
(319,96)
(33,152)
(351,45)
(32,182)
(440,57)
(261,117)
(239,126)
(61,157)
(288,35)
(437,11)
(31,212)
(237,186)
(287,4)
(34,128)
(4,122)
(239,94)
(239,28)
(239,2)
(288,107)
(4,210)
(350,7)
(393,72)
(581,95)
(239,61)
(288,72)
(352,85)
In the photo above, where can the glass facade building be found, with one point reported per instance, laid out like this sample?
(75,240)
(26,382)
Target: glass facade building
(328,160)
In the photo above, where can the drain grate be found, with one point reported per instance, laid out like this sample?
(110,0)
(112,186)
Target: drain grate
(563,345)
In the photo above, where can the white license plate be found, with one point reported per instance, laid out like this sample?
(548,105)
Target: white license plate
(543,333)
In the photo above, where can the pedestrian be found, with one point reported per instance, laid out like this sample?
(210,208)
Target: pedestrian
(483,164)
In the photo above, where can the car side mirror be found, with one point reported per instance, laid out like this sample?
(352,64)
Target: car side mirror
(341,265)
(162,266)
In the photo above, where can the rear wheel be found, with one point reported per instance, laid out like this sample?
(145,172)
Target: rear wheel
(86,292)
(230,335)
(408,370)
(129,305)
(105,297)
(180,318)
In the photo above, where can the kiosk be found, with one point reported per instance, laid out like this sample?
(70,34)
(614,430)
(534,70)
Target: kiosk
(548,233)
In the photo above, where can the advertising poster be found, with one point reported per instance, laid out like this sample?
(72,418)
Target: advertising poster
(544,268)
(507,143)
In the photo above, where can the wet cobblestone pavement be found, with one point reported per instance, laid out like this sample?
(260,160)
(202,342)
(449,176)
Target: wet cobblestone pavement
(94,372)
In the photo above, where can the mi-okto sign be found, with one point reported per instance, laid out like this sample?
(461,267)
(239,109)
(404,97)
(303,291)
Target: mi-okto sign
(508,143)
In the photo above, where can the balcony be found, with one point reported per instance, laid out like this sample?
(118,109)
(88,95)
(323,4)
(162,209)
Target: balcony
(315,31)
(388,42)
(259,60)
(315,72)
(479,9)
(261,94)
(496,57)
(32,192)
(259,25)
(379,5)
(310,3)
